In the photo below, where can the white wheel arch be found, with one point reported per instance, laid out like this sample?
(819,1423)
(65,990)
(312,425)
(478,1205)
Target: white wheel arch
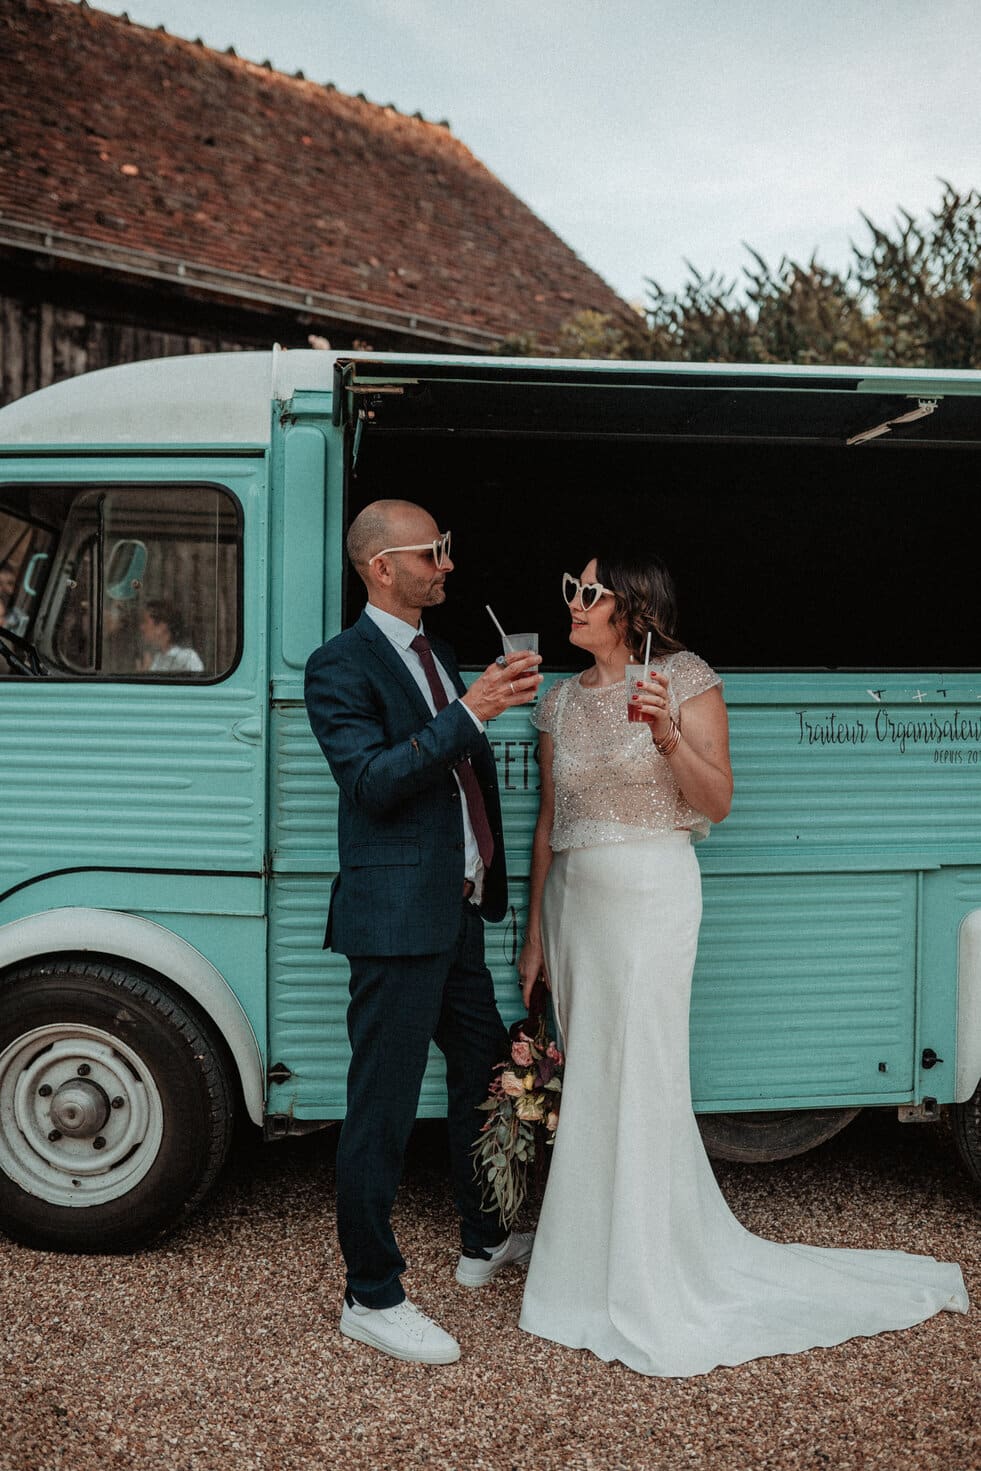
(128,937)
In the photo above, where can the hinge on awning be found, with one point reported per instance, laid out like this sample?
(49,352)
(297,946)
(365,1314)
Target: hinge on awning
(925,407)
(346,386)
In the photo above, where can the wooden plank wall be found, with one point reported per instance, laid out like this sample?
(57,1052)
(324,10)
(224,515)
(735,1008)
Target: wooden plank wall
(41,344)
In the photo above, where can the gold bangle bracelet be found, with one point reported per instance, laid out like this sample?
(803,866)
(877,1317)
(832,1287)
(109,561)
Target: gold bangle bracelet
(670,742)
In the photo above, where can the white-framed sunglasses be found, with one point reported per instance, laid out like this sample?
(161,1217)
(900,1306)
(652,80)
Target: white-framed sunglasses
(439,549)
(588,593)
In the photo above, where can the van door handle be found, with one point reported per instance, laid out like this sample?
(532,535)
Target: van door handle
(248,731)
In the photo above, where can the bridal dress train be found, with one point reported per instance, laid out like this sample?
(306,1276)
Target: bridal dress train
(638,1257)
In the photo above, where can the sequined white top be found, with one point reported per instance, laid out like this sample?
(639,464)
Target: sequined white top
(612,785)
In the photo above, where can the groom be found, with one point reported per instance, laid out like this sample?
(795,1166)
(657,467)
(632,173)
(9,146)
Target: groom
(421,861)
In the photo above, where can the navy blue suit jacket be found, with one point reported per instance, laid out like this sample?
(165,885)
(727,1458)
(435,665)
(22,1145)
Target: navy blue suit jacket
(400,829)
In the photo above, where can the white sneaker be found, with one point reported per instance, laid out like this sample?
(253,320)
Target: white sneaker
(476,1271)
(403,1332)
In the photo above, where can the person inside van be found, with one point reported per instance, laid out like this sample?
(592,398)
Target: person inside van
(166,644)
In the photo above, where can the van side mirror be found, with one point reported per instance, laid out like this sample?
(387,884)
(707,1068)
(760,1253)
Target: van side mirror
(124,574)
(38,559)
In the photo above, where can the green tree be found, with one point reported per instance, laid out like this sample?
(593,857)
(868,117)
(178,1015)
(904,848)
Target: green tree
(921,285)
(587,334)
(912,298)
(705,322)
(806,314)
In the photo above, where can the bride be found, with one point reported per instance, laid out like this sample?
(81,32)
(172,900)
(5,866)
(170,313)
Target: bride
(637,1256)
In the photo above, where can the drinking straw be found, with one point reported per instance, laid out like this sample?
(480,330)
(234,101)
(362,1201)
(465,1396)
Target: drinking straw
(508,649)
(647,655)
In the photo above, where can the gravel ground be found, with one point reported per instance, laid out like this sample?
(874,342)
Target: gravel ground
(219,1349)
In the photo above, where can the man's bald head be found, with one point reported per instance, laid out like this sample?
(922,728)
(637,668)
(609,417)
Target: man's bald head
(386,524)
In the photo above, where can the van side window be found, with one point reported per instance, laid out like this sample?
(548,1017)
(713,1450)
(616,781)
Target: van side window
(124,582)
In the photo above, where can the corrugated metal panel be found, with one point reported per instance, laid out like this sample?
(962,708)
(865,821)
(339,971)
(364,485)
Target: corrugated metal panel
(858,772)
(307,1001)
(127,776)
(804,988)
(514,741)
(308,985)
(308,989)
(804,788)
(302,796)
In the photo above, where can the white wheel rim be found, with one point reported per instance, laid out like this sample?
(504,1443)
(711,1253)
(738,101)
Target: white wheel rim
(81,1118)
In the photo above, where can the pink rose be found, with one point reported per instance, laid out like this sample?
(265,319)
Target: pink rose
(521,1053)
(553,1052)
(513,1085)
(552,1122)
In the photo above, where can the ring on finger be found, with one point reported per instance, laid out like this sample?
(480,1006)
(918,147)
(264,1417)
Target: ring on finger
(511,686)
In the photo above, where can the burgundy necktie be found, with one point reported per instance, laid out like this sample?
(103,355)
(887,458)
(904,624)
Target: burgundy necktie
(463,768)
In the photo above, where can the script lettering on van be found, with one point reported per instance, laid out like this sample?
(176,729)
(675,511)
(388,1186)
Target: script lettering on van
(956,737)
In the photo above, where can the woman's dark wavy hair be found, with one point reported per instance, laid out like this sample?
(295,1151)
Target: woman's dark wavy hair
(645,600)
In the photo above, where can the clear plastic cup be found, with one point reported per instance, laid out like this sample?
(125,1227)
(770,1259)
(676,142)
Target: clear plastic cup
(632,674)
(520,643)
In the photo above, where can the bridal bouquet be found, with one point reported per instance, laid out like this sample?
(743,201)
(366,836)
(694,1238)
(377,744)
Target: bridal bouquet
(522,1108)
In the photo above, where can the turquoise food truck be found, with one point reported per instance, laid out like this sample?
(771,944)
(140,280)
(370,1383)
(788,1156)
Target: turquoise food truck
(171,535)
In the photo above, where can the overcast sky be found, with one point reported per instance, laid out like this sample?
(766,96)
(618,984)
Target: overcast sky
(649,133)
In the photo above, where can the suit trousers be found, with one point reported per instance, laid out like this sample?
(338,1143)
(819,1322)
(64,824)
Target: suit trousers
(399,1004)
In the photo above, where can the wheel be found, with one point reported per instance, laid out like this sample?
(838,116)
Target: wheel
(966,1122)
(116,1108)
(755,1138)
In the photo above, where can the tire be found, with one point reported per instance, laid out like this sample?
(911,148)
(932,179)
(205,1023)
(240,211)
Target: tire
(757,1138)
(966,1122)
(116,1108)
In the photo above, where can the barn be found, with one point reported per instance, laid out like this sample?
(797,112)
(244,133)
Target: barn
(161,197)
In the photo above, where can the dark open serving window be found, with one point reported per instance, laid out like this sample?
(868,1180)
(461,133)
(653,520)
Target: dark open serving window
(791,547)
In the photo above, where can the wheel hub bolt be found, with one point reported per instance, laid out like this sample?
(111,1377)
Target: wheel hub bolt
(99,1143)
(54,1135)
(45,1090)
(119,1103)
(83,1070)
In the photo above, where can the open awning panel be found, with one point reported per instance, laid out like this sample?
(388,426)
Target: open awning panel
(658,401)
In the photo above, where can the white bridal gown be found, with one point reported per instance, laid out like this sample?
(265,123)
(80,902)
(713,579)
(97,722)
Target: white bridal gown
(637,1255)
